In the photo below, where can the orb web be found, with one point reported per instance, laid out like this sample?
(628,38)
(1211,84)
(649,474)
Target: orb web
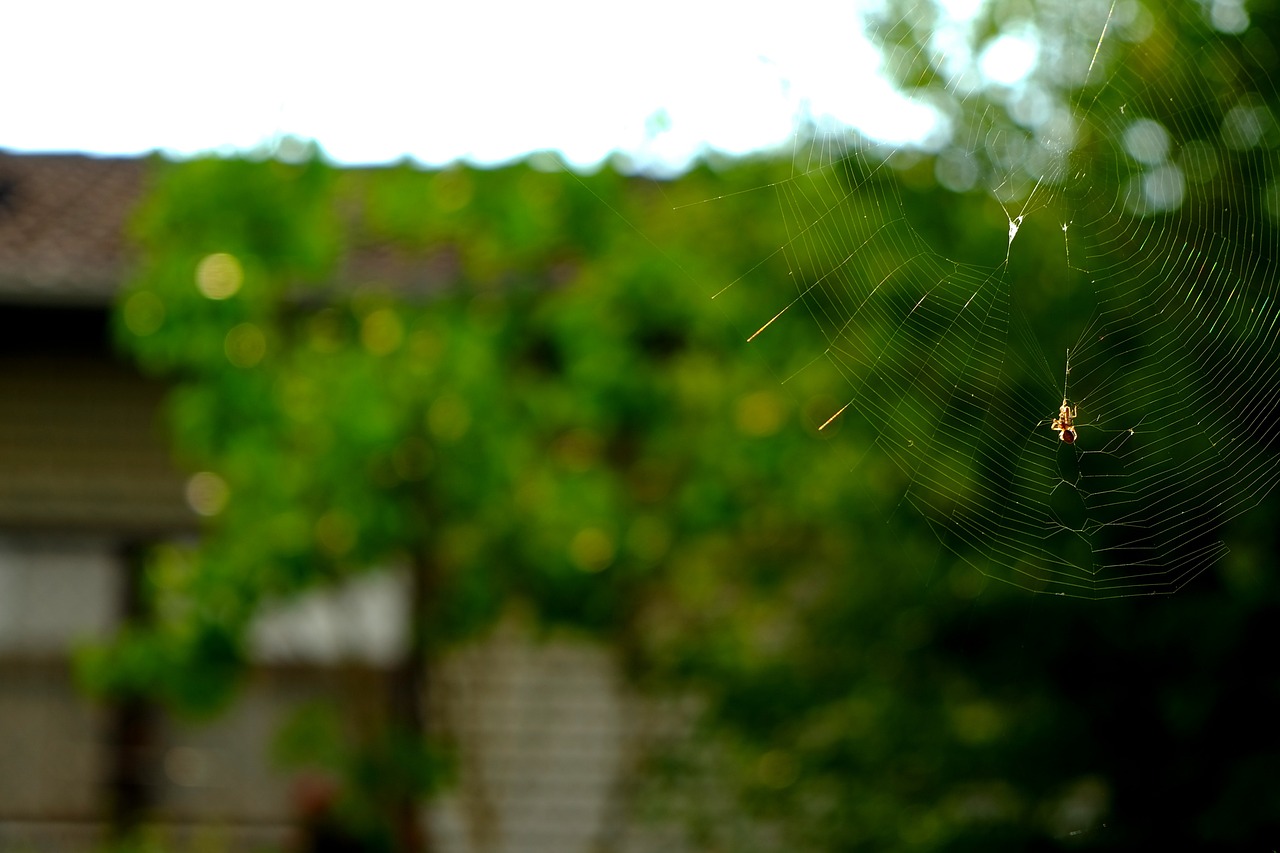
(1124,183)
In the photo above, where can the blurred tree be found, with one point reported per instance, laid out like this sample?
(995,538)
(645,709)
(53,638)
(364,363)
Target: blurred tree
(906,704)
(516,397)
(506,382)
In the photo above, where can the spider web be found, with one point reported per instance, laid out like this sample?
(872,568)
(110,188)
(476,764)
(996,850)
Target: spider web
(1126,181)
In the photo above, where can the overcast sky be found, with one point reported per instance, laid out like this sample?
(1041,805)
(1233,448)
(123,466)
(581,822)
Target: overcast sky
(440,81)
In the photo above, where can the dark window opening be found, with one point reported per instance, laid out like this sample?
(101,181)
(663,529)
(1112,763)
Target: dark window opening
(41,330)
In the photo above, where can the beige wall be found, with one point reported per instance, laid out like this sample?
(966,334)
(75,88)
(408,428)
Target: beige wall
(548,735)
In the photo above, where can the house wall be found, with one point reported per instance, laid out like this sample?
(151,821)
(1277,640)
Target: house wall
(54,591)
(547,733)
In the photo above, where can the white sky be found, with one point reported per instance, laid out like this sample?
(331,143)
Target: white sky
(438,81)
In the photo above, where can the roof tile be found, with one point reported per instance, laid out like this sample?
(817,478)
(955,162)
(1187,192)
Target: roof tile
(62,225)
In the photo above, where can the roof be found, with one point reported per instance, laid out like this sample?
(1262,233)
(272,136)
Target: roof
(62,225)
(63,234)
(81,446)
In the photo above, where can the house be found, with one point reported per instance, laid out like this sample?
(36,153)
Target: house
(549,735)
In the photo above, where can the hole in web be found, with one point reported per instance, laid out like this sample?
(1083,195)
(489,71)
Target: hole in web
(1078,390)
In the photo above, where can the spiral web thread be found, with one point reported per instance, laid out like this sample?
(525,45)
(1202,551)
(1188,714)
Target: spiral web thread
(958,368)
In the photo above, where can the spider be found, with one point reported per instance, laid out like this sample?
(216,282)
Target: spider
(1065,423)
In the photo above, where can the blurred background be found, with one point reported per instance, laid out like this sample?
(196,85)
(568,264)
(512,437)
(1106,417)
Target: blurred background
(419,488)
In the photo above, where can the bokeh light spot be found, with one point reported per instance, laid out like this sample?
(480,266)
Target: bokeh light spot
(759,414)
(577,450)
(245,345)
(381,331)
(207,493)
(219,276)
(1271,200)
(336,533)
(1010,58)
(592,549)
(649,538)
(1199,161)
(1229,16)
(777,769)
(977,722)
(412,459)
(1164,188)
(1147,141)
(449,418)
(1248,125)
(143,313)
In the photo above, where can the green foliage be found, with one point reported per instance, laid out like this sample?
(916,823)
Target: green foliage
(191,655)
(525,381)
(486,373)
(517,378)
(361,773)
